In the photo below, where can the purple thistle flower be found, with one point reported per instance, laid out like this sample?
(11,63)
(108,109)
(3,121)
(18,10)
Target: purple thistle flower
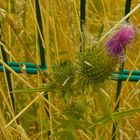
(117,44)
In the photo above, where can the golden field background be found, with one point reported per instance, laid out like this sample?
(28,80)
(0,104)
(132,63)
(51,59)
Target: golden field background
(61,31)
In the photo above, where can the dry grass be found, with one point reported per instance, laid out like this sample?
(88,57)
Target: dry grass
(61,30)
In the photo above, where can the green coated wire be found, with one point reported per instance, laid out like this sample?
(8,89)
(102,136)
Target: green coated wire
(135,76)
(127,72)
(26,64)
(123,77)
(20,70)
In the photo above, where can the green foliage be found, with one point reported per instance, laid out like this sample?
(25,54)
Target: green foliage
(76,111)
(72,120)
(63,75)
(76,108)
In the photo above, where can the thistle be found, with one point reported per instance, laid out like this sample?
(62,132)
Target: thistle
(117,44)
(63,77)
(98,63)
(95,66)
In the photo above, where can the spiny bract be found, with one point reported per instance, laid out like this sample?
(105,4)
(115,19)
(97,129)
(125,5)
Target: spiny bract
(95,66)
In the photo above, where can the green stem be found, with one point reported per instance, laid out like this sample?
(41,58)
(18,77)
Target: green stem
(82,21)
(119,84)
(8,78)
(42,50)
(40,42)
(127,8)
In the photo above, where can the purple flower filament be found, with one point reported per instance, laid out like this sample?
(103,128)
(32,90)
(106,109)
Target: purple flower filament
(117,44)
